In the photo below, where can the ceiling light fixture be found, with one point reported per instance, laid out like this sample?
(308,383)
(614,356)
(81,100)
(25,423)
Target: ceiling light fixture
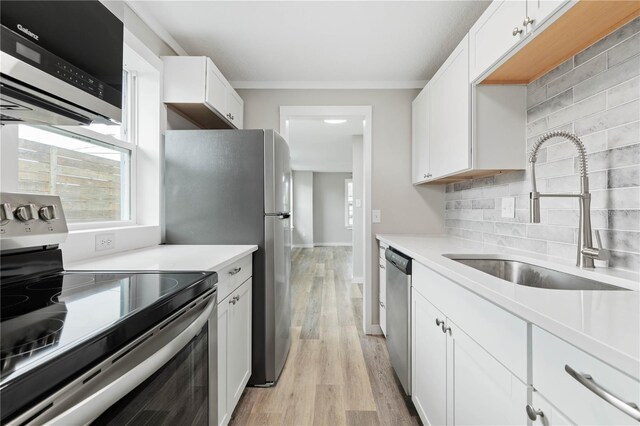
(335,121)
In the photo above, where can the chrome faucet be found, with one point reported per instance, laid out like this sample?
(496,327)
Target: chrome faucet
(586,253)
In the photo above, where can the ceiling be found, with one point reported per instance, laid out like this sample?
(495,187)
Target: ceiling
(321,147)
(317,43)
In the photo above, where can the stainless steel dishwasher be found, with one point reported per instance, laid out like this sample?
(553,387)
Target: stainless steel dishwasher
(399,315)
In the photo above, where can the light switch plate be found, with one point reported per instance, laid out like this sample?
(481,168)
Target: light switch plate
(376,217)
(509,207)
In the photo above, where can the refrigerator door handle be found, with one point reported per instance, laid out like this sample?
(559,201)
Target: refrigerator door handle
(279,215)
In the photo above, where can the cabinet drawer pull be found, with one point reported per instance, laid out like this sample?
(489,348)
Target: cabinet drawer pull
(235,270)
(532,413)
(629,408)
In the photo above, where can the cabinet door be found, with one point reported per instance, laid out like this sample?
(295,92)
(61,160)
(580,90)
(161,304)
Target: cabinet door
(382,271)
(482,391)
(216,89)
(223,374)
(550,415)
(239,344)
(539,10)
(428,361)
(492,35)
(420,136)
(235,107)
(450,94)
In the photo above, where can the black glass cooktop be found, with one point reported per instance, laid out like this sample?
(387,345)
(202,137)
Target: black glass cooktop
(54,326)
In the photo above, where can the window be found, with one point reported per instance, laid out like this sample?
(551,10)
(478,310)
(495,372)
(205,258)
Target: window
(348,203)
(92,178)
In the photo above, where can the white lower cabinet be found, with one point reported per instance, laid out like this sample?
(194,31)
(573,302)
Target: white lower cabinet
(571,380)
(383,294)
(234,349)
(455,380)
(429,361)
(481,391)
(545,413)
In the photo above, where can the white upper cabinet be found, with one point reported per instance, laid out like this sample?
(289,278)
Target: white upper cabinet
(496,32)
(420,136)
(464,131)
(235,108)
(539,10)
(195,87)
(215,87)
(449,148)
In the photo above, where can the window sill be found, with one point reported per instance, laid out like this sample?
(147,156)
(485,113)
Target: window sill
(77,228)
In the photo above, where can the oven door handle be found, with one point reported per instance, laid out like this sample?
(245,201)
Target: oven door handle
(144,366)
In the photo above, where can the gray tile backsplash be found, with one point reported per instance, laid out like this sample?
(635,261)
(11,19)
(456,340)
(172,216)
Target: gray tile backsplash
(595,94)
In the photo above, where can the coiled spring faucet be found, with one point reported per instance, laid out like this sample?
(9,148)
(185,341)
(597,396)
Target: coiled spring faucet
(586,253)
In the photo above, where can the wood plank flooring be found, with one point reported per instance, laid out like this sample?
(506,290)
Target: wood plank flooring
(335,374)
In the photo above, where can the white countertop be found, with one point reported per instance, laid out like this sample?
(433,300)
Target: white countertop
(605,324)
(168,258)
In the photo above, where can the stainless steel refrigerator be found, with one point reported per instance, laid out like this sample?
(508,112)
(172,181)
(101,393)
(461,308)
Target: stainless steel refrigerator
(233,187)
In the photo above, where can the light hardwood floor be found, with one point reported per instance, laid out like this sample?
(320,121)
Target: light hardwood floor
(335,374)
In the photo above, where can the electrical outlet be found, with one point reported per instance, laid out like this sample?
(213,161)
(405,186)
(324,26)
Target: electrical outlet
(509,207)
(105,242)
(376,216)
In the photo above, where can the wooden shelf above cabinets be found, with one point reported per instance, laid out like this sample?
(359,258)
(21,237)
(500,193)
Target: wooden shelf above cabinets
(579,27)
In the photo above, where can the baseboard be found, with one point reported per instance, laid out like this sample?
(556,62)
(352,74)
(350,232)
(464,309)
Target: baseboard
(332,244)
(374,330)
(302,246)
(357,280)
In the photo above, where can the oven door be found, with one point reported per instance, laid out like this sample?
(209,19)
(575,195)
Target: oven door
(167,376)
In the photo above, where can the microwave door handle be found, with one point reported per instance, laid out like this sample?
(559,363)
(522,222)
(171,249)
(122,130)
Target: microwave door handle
(89,408)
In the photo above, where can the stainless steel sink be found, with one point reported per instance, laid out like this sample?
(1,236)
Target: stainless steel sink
(532,275)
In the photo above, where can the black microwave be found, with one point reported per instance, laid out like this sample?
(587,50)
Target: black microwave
(61,62)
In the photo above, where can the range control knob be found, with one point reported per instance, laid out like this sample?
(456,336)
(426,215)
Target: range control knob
(26,212)
(6,214)
(48,213)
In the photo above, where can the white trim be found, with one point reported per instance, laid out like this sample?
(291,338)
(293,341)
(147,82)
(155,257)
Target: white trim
(332,244)
(302,246)
(409,84)
(357,280)
(366,111)
(156,27)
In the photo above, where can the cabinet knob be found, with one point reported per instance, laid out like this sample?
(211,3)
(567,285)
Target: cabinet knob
(381,304)
(528,21)
(424,176)
(235,270)
(517,31)
(439,322)
(445,329)
(532,413)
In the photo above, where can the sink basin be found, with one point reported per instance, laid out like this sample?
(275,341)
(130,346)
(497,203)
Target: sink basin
(526,274)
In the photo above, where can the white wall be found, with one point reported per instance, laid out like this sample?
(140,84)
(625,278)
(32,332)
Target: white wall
(358,211)
(328,209)
(405,208)
(302,209)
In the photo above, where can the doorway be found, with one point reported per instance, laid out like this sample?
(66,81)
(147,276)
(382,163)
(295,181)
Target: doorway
(328,161)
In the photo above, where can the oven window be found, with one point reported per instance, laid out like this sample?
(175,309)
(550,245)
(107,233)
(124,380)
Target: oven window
(177,394)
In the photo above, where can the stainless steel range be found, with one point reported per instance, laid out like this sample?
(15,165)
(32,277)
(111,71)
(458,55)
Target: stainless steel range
(98,347)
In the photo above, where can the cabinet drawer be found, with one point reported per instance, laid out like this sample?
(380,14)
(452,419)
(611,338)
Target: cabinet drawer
(232,276)
(500,333)
(551,355)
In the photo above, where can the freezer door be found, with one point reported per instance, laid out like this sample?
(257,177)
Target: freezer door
(277,174)
(278,307)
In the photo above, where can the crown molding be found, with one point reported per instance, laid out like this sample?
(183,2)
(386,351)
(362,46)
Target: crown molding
(410,84)
(156,27)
